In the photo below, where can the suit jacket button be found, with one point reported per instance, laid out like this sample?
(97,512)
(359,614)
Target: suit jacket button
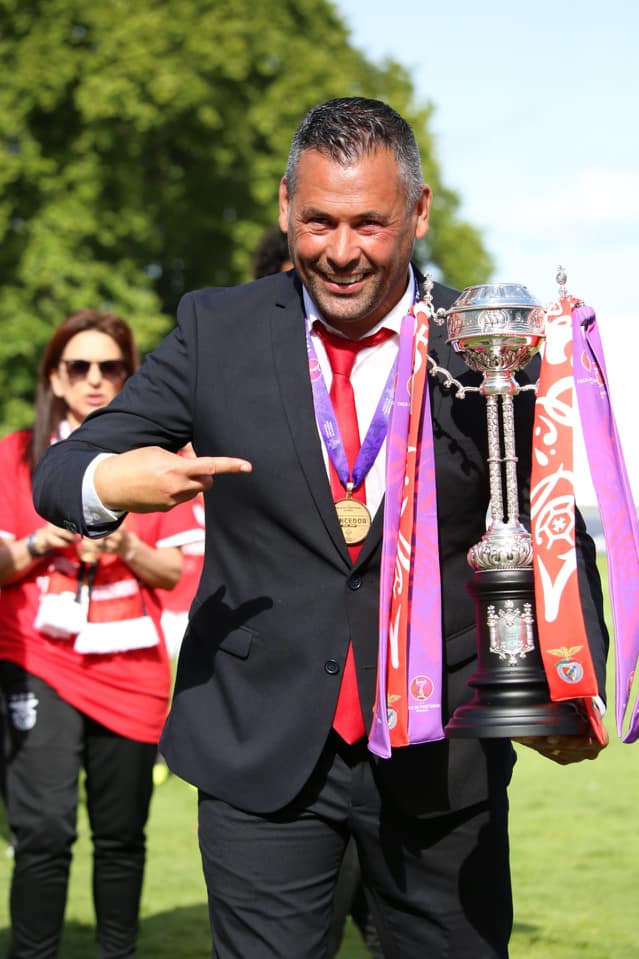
(70,525)
(355,582)
(331,666)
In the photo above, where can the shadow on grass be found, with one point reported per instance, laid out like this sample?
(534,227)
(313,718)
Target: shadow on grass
(525,928)
(182,932)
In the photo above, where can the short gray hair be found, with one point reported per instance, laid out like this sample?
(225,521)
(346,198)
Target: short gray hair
(349,128)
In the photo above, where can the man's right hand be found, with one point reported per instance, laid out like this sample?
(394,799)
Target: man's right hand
(149,479)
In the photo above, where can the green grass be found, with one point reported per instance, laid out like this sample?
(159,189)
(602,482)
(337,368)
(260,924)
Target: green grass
(575,856)
(575,851)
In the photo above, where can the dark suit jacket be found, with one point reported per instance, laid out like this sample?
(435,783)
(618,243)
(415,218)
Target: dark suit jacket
(279,599)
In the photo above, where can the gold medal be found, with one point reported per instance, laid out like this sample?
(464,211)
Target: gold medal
(354,519)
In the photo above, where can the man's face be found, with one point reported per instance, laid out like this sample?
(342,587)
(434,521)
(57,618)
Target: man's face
(351,236)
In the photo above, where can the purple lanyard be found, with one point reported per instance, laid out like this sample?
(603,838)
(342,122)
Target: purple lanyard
(329,430)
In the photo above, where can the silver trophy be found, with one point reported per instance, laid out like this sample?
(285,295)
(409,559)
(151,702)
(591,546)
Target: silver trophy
(499,327)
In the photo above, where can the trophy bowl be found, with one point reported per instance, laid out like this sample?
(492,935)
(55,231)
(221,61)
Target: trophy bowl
(498,327)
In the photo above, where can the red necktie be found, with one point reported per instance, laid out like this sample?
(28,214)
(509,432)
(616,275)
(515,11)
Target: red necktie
(348,720)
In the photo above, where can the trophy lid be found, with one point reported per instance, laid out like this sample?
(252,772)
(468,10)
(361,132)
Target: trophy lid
(494,296)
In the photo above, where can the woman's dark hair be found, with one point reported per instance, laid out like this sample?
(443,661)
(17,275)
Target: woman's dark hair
(51,410)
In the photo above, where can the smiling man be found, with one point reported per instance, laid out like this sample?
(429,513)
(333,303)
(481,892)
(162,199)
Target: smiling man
(289,382)
(351,229)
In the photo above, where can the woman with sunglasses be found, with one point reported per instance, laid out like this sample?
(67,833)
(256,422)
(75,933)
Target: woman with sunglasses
(83,664)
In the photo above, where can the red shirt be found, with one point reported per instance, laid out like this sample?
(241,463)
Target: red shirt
(179,599)
(127,692)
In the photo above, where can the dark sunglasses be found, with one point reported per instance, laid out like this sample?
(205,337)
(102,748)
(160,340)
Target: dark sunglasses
(110,369)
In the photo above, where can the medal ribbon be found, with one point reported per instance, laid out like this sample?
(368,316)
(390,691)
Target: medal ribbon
(408,700)
(329,429)
(616,507)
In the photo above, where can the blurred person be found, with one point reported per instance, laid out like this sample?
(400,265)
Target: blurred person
(176,602)
(83,665)
(277,675)
(271,254)
(3,787)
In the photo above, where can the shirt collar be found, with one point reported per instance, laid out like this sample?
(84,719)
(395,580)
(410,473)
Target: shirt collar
(392,320)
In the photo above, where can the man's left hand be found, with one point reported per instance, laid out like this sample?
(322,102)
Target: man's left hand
(564,749)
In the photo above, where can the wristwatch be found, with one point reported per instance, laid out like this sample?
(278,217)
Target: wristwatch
(31,546)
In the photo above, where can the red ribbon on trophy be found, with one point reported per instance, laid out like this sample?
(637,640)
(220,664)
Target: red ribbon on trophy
(563,395)
(563,643)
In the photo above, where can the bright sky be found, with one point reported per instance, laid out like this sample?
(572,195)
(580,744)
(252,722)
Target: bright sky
(536,124)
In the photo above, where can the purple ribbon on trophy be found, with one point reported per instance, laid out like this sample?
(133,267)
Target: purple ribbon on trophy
(616,507)
(409,567)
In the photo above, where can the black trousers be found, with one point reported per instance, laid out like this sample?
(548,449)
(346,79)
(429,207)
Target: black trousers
(439,888)
(49,743)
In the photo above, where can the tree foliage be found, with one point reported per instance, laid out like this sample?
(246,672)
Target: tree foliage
(141,144)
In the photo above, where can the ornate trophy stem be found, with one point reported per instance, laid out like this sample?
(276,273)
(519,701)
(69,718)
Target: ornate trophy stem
(510,460)
(494,460)
(499,328)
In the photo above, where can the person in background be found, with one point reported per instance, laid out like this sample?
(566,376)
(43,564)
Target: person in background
(277,675)
(4,831)
(83,665)
(176,602)
(271,254)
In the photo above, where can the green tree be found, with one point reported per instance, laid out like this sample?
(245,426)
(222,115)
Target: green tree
(141,144)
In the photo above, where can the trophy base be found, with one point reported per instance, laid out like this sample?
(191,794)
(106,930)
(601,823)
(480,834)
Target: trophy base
(511,692)
(476,721)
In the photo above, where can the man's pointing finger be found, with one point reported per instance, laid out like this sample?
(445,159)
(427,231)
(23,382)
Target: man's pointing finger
(215,465)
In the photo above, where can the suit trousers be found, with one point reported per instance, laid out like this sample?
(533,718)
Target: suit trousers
(49,742)
(439,887)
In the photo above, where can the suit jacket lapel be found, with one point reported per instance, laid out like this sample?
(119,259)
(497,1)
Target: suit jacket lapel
(291,365)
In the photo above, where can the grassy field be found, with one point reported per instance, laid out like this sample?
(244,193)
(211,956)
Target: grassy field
(575,858)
